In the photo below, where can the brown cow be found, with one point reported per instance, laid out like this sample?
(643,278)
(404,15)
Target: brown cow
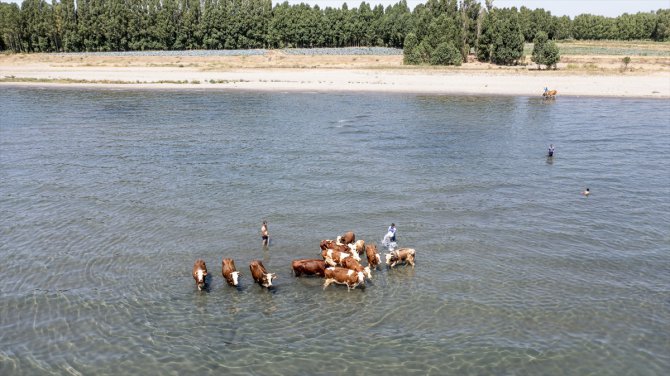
(549,94)
(373,257)
(308,267)
(229,272)
(343,276)
(402,255)
(356,266)
(261,275)
(200,273)
(333,257)
(348,238)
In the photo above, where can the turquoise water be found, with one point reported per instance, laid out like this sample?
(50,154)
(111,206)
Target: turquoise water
(108,196)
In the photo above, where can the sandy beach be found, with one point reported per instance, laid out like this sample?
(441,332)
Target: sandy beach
(274,71)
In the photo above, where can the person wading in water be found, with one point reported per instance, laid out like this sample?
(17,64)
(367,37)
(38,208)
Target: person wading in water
(264,234)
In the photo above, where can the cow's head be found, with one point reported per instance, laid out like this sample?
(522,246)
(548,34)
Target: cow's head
(235,275)
(200,276)
(366,270)
(390,257)
(267,279)
(361,278)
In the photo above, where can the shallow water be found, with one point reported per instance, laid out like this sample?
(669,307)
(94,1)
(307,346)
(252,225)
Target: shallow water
(108,196)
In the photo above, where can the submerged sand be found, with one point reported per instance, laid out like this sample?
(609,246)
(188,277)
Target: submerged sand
(274,71)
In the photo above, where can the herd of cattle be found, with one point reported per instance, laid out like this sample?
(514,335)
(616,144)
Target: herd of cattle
(340,264)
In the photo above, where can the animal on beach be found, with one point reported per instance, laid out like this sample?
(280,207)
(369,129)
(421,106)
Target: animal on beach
(229,272)
(402,255)
(549,94)
(260,274)
(200,274)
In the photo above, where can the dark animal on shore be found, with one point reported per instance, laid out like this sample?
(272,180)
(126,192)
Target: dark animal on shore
(200,273)
(356,266)
(308,267)
(260,274)
(343,276)
(549,94)
(229,272)
(402,255)
(374,258)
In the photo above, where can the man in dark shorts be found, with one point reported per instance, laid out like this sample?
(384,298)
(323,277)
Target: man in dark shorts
(264,234)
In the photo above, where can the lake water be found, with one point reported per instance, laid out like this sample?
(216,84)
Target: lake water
(108,197)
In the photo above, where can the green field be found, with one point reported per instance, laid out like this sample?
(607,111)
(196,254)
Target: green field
(615,48)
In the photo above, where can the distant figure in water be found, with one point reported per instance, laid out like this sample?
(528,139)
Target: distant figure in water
(586,193)
(550,153)
(389,239)
(264,234)
(392,230)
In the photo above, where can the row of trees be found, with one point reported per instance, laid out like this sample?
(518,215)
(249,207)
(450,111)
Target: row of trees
(436,31)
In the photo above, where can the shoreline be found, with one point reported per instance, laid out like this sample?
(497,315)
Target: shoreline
(340,74)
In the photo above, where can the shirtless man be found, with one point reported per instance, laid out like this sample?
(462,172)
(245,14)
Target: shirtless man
(264,234)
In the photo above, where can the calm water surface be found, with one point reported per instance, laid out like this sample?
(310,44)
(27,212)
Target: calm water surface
(107,197)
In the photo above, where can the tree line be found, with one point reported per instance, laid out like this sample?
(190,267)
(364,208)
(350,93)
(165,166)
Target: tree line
(437,31)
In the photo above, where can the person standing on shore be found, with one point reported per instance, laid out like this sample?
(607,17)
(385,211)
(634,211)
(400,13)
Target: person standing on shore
(265,235)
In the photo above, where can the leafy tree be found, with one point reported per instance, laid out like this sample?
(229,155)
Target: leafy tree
(411,54)
(501,41)
(10,27)
(545,52)
(662,30)
(446,54)
(562,27)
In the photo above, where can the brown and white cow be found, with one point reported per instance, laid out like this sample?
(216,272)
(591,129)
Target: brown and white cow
(343,276)
(333,257)
(308,267)
(332,244)
(260,275)
(356,266)
(359,246)
(401,255)
(229,272)
(200,273)
(374,258)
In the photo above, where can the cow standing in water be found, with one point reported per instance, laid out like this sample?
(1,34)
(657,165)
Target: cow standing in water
(374,258)
(333,257)
(309,267)
(402,255)
(229,272)
(356,266)
(332,244)
(200,273)
(348,238)
(260,275)
(343,276)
